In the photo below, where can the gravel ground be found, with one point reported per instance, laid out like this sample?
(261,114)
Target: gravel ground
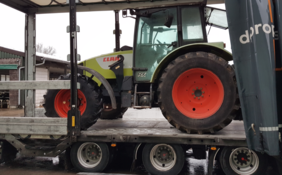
(11,112)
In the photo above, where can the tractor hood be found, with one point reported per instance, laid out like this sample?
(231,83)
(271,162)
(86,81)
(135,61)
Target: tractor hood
(101,64)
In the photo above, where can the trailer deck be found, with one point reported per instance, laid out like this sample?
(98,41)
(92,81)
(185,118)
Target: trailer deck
(136,126)
(160,131)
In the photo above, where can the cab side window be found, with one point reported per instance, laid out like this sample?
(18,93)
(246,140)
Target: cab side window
(191,25)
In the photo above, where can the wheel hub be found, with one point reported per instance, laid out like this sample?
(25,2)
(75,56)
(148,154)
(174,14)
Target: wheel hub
(164,154)
(163,157)
(198,93)
(62,102)
(89,154)
(93,153)
(243,161)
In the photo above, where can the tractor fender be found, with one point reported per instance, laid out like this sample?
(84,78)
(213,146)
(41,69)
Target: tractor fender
(104,82)
(205,47)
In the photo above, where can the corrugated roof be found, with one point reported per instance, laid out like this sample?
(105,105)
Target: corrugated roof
(4,51)
(10,53)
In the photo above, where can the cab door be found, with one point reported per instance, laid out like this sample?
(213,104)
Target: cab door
(154,40)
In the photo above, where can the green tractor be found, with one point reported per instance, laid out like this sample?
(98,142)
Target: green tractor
(171,66)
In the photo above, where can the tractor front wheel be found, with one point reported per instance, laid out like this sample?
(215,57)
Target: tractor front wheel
(113,113)
(89,101)
(197,93)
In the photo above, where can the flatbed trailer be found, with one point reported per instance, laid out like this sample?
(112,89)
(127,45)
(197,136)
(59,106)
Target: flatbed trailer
(136,128)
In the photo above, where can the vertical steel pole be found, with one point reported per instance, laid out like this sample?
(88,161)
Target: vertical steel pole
(73,114)
(117,30)
(30,61)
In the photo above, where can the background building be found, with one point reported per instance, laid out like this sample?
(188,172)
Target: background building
(12,69)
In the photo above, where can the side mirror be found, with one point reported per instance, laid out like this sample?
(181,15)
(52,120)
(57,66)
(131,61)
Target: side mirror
(168,21)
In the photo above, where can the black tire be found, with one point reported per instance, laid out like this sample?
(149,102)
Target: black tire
(7,152)
(232,161)
(93,97)
(226,75)
(81,161)
(175,161)
(113,113)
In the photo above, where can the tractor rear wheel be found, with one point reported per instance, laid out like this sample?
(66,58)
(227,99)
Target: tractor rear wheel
(197,93)
(57,102)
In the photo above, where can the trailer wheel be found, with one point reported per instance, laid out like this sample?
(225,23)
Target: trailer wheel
(57,102)
(113,113)
(164,159)
(242,161)
(90,156)
(197,93)
(7,152)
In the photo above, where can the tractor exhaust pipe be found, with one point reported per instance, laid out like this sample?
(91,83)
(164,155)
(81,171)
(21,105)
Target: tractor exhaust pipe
(117,31)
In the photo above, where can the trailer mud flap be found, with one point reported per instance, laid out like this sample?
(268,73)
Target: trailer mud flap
(251,29)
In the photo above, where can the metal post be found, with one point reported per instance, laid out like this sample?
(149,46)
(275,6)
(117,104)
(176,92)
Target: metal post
(211,157)
(30,58)
(74,113)
(117,31)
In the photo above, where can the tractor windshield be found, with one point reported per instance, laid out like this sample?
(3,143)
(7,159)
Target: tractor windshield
(154,41)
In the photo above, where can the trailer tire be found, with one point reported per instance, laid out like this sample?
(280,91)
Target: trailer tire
(99,158)
(206,85)
(250,162)
(7,152)
(113,113)
(170,161)
(90,101)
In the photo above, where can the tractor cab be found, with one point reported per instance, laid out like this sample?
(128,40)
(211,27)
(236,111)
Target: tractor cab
(160,31)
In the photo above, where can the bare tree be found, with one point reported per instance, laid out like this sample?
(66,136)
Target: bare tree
(46,50)
(39,47)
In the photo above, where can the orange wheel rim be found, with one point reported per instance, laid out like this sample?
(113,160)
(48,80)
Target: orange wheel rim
(198,93)
(62,102)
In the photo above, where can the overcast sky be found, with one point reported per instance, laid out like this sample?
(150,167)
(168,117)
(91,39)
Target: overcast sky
(96,32)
